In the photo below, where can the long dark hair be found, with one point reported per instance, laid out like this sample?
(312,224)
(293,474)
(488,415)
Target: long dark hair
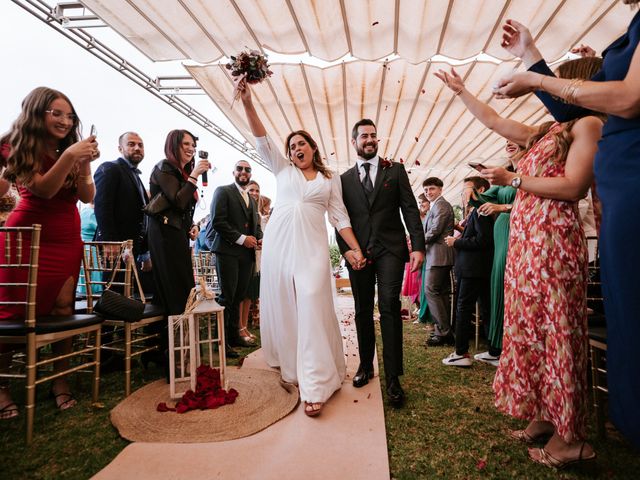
(172,146)
(317,163)
(26,136)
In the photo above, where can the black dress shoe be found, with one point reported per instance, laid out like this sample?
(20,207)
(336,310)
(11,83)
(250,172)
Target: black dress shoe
(242,343)
(441,340)
(229,352)
(395,394)
(362,377)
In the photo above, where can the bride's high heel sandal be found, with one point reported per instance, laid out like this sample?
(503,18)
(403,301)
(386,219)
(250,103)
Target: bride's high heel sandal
(313,409)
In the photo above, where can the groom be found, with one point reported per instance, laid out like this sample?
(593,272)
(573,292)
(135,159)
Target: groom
(375,190)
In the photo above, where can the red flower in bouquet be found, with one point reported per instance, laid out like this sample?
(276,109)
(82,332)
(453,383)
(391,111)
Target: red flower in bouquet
(209,393)
(251,65)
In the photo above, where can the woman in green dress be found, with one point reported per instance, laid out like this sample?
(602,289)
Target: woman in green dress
(497,201)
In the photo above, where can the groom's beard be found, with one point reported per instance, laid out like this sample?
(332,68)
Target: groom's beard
(368,156)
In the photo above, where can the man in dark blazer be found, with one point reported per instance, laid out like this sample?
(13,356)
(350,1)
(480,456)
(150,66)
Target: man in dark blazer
(375,191)
(120,198)
(234,234)
(474,259)
(439,259)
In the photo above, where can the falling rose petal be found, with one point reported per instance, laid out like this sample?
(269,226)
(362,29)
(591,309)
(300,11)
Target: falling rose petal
(417,163)
(374,24)
(333,153)
(482,464)
(416,139)
(369,396)
(409,172)
(386,107)
(355,401)
(402,160)
(424,91)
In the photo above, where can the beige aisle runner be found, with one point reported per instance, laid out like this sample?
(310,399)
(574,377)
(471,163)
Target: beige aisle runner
(348,441)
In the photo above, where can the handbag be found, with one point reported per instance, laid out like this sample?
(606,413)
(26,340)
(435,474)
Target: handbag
(114,305)
(157,205)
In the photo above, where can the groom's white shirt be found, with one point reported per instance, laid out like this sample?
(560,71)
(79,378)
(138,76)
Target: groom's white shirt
(373,170)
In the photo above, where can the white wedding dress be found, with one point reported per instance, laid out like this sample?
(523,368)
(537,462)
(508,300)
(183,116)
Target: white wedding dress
(298,325)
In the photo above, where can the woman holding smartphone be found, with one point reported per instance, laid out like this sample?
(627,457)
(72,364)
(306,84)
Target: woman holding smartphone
(51,167)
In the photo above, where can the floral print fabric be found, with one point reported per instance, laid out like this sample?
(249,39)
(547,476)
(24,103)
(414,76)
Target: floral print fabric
(543,367)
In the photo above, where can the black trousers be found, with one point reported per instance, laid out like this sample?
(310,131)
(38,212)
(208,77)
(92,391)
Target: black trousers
(387,271)
(470,291)
(234,274)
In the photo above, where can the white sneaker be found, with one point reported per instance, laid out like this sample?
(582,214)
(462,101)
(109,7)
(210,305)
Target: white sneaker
(456,360)
(484,357)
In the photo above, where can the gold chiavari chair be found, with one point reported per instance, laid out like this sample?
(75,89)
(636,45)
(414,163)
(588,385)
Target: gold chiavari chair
(204,267)
(103,258)
(19,251)
(597,337)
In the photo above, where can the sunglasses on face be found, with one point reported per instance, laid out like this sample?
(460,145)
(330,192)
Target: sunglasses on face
(240,168)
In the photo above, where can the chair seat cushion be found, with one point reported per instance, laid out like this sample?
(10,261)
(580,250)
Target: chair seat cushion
(49,324)
(152,310)
(598,334)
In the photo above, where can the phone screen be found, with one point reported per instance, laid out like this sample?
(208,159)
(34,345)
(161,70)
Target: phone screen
(478,166)
(94,130)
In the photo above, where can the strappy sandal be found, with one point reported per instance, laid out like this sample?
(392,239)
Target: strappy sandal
(524,437)
(548,460)
(310,409)
(10,410)
(67,404)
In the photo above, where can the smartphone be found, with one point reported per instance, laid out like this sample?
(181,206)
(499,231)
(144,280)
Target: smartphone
(477,165)
(94,131)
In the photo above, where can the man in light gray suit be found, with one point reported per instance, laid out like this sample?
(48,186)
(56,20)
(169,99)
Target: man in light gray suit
(439,259)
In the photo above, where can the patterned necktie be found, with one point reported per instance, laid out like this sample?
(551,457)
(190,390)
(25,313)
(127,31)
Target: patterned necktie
(366,181)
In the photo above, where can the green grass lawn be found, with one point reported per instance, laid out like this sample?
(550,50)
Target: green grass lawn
(447,429)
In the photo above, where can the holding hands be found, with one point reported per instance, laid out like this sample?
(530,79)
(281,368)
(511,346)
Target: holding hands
(355,258)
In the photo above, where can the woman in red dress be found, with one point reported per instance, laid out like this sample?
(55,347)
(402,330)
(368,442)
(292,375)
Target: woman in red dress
(45,158)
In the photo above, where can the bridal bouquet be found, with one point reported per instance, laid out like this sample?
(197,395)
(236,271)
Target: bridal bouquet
(251,65)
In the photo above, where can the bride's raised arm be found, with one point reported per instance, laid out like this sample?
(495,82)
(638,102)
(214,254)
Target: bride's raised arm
(269,153)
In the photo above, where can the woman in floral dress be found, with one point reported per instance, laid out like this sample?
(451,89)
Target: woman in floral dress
(542,374)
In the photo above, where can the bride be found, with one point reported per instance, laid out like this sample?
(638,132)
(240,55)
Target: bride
(298,325)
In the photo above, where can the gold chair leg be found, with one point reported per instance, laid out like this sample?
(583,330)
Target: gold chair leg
(127,359)
(596,358)
(96,371)
(31,384)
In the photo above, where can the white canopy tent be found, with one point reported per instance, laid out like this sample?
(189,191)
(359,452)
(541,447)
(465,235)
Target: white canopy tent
(384,53)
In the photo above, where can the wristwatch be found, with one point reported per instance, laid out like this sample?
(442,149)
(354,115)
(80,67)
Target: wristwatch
(515,182)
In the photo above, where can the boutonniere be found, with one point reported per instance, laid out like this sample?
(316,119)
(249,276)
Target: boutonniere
(385,163)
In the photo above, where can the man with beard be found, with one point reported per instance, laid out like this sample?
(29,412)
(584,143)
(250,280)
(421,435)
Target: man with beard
(375,191)
(120,198)
(234,234)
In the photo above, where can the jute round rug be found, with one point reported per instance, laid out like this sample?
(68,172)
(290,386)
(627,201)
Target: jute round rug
(262,401)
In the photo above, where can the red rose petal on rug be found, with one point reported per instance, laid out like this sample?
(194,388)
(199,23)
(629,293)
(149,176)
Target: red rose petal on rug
(481,465)
(162,407)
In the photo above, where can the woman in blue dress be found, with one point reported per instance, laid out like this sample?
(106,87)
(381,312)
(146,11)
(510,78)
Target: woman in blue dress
(614,90)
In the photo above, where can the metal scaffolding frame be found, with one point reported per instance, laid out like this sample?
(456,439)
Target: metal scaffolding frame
(74,28)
